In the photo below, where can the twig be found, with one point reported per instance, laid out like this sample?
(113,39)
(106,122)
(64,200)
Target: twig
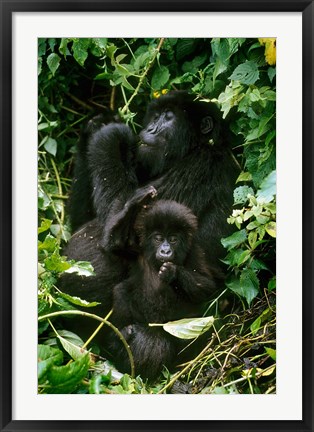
(97,329)
(126,106)
(190,364)
(102,320)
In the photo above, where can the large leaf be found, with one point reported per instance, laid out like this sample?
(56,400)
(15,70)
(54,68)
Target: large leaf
(267,189)
(188,328)
(230,97)
(56,263)
(78,301)
(246,286)
(160,77)
(234,240)
(82,268)
(53,62)
(65,379)
(44,225)
(51,146)
(47,357)
(245,73)
(75,351)
(80,49)
(240,194)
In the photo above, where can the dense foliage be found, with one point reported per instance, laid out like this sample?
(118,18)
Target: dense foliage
(78,77)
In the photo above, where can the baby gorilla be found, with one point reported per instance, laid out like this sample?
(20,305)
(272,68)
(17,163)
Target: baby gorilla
(170,280)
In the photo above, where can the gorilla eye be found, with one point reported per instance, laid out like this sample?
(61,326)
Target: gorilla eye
(173,239)
(169,115)
(158,238)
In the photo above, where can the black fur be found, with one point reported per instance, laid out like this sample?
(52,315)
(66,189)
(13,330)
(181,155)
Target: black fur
(158,291)
(184,156)
(182,159)
(142,286)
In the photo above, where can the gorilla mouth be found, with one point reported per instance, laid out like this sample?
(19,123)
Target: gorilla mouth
(164,260)
(144,144)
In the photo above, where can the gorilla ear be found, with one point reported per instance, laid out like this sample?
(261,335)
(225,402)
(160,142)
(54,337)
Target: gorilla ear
(207,124)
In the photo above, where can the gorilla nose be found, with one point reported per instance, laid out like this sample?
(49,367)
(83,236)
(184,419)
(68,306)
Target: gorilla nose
(166,251)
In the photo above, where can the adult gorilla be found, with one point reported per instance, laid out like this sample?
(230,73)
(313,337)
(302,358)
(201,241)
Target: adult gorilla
(182,153)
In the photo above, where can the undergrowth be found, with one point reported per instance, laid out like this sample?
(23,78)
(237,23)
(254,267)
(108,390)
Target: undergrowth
(78,77)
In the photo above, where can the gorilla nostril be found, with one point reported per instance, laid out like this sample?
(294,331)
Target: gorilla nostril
(166,252)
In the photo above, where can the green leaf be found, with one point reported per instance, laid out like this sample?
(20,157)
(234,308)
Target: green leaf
(44,225)
(78,301)
(141,61)
(237,257)
(63,47)
(80,50)
(221,51)
(256,325)
(272,284)
(160,77)
(188,328)
(194,65)
(230,97)
(65,379)
(271,352)
(240,194)
(271,73)
(246,73)
(56,263)
(246,286)
(252,238)
(47,357)
(68,335)
(42,45)
(97,381)
(184,47)
(265,315)
(271,229)
(75,351)
(83,268)
(47,126)
(51,146)
(53,62)
(49,244)
(258,171)
(244,176)
(39,65)
(267,189)
(250,283)
(234,240)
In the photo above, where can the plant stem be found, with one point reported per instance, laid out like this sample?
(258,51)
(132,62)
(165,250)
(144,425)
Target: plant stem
(59,188)
(97,329)
(150,64)
(187,367)
(102,320)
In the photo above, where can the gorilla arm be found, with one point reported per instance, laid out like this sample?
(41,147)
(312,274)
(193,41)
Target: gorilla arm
(197,286)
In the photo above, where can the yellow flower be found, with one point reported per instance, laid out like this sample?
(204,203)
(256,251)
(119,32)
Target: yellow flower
(270,49)
(164,91)
(156,94)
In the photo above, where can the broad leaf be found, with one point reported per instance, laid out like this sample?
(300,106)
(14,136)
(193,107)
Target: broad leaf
(78,301)
(188,328)
(246,73)
(53,62)
(51,146)
(160,77)
(47,357)
(240,194)
(234,240)
(82,268)
(267,189)
(65,379)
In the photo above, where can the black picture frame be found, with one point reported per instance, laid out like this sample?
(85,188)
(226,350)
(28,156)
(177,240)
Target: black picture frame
(7,9)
